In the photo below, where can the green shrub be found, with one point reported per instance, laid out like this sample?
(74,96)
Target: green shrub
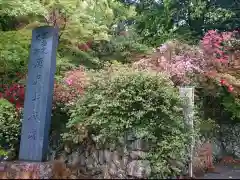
(2,152)
(10,126)
(218,104)
(121,99)
(231,104)
(120,47)
(14,49)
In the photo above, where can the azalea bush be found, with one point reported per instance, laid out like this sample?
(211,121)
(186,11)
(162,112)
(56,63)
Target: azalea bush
(13,89)
(14,94)
(67,90)
(70,87)
(213,45)
(119,99)
(219,101)
(181,62)
(222,82)
(10,127)
(212,67)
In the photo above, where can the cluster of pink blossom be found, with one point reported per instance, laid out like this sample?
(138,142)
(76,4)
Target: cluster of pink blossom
(14,92)
(213,45)
(183,61)
(224,83)
(186,61)
(73,85)
(180,67)
(76,79)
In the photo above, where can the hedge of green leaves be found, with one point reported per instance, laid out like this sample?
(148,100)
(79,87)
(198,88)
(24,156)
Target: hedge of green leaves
(121,99)
(10,126)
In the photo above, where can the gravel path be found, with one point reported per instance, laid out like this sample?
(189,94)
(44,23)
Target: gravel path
(224,172)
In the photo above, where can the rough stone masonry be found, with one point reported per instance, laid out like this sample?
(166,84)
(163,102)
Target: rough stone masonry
(104,163)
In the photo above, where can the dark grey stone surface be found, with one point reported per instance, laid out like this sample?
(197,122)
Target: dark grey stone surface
(39,93)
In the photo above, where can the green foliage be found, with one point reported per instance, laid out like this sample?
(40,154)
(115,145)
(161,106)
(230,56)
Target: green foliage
(208,127)
(14,49)
(121,11)
(18,8)
(158,21)
(85,21)
(10,126)
(82,24)
(121,48)
(14,12)
(231,104)
(73,57)
(90,20)
(218,104)
(2,152)
(95,21)
(120,99)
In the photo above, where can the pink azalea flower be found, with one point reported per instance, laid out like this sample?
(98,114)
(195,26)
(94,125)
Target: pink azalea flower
(69,81)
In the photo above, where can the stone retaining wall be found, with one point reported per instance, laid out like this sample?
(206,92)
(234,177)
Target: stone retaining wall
(217,148)
(228,144)
(231,139)
(106,163)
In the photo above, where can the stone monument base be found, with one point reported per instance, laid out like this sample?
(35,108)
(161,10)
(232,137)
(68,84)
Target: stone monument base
(34,170)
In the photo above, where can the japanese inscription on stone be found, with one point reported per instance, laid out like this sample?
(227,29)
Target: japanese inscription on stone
(38,97)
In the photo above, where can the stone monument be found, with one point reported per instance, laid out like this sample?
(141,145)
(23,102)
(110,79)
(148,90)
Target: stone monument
(39,94)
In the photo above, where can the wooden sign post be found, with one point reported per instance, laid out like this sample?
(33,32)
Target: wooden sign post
(39,93)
